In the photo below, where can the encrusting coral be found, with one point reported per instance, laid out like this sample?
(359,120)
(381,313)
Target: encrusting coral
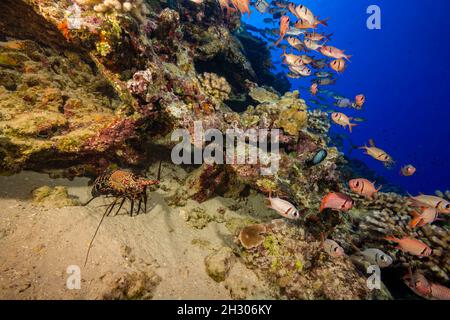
(215,86)
(252,236)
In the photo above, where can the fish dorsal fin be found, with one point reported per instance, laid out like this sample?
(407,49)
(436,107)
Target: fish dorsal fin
(372,143)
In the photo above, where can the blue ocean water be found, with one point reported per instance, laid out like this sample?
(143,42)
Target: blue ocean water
(403,70)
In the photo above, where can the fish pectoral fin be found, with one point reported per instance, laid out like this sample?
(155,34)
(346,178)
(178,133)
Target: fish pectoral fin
(415,214)
(415,222)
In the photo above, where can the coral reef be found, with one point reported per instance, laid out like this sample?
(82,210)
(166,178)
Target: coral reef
(215,86)
(103,83)
(296,264)
(135,7)
(48,112)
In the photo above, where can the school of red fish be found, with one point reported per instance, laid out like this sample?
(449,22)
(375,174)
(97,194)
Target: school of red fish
(297,20)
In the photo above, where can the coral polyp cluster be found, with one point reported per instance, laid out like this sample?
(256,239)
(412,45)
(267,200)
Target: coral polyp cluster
(136,7)
(215,86)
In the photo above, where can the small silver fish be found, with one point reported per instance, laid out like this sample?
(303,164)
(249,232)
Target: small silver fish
(343,103)
(378,257)
(294,32)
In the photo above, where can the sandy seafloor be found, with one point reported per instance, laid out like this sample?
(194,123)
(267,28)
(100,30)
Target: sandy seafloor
(156,255)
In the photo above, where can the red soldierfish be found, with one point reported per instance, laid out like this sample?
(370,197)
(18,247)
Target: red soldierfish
(408,170)
(314,89)
(335,53)
(342,120)
(338,65)
(412,246)
(284,27)
(363,187)
(336,201)
(306,15)
(378,154)
(441,205)
(242,5)
(360,99)
(427,216)
(426,289)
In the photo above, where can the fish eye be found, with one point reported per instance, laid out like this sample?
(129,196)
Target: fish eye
(335,249)
(447,206)
(357,184)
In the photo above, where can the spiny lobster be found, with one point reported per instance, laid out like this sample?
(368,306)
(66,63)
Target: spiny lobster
(122,185)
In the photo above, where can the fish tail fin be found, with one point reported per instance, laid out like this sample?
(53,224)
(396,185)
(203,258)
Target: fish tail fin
(324,22)
(328,36)
(351,125)
(282,47)
(415,222)
(323,203)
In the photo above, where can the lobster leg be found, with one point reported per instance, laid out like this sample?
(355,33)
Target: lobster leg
(145,200)
(132,207)
(159,171)
(113,204)
(120,207)
(139,205)
(89,201)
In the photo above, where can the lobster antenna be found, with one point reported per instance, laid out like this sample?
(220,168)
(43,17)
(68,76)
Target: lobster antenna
(159,170)
(96,231)
(89,201)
